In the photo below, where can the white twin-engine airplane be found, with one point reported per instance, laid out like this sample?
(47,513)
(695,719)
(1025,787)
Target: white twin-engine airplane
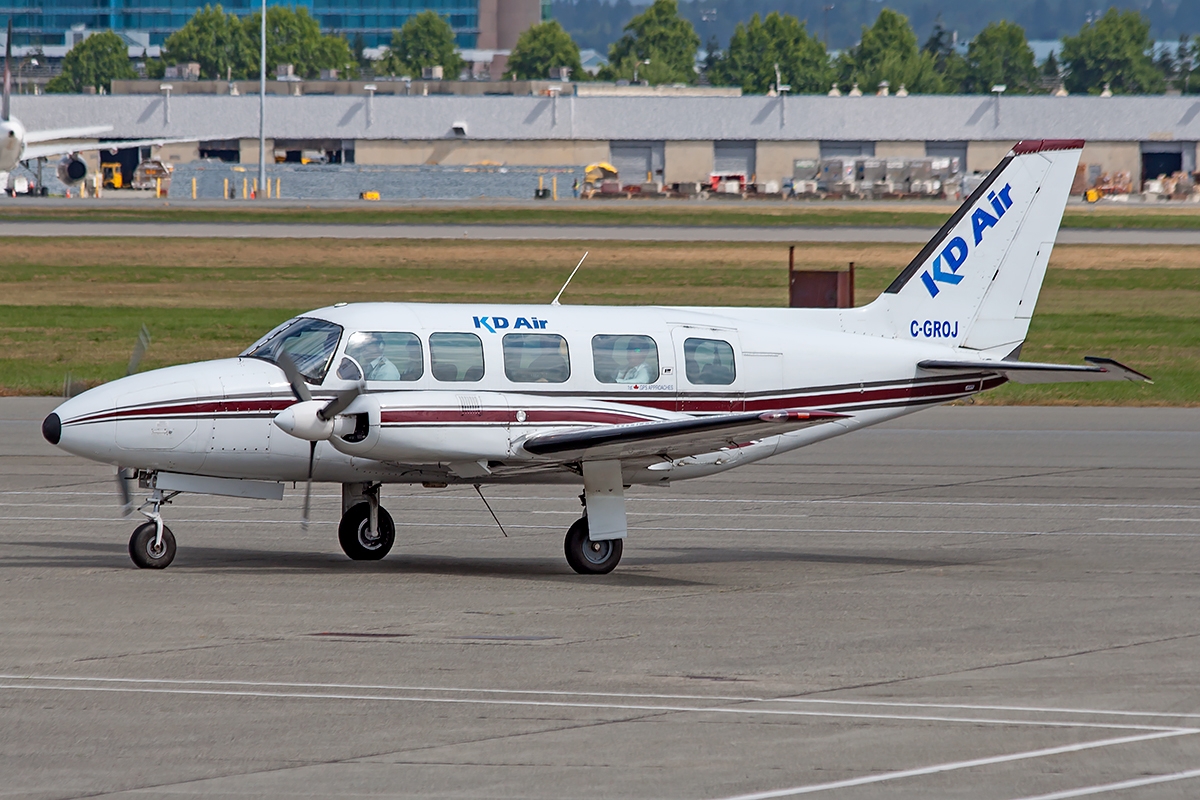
(609,397)
(20,146)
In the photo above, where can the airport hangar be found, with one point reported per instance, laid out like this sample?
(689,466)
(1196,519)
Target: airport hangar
(678,138)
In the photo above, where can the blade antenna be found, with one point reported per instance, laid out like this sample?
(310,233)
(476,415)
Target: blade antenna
(139,350)
(4,110)
(312,452)
(479,492)
(563,289)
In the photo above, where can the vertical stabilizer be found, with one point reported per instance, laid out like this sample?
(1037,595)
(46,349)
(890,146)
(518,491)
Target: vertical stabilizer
(976,282)
(4,109)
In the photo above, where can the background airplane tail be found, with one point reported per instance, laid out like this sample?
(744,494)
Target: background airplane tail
(4,110)
(975,284)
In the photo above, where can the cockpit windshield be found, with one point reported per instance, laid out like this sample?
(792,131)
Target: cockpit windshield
(310,342)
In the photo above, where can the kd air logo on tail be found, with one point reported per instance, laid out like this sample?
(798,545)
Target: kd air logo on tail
(955,253)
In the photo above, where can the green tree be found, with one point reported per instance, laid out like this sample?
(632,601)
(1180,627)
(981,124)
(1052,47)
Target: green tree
(1115,50)
(425,40)
(999,54)
(96,62)
(663,38)
(541,48)
(947,61)
(294,37)
(759,45)
(888,52)
(217,41)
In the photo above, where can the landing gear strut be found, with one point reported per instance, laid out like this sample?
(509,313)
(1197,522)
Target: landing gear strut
(366,531)
(152,545)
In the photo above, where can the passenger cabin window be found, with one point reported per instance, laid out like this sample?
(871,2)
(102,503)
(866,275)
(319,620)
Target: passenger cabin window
(456,356)
(309,342)
(624,359)
(708,362)
(387,356)
(536,358)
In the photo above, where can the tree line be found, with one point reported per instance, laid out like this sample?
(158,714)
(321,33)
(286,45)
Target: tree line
(1112,51)
(598,23)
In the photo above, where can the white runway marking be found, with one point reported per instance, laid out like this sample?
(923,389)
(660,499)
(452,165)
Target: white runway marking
(1116,787)
(257,689)
(955,766)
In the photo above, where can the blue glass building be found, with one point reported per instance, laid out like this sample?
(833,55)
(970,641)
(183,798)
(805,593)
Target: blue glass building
(46,21)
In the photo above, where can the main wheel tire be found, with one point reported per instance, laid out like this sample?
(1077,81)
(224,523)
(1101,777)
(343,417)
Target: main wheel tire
(355,537)
(142,547)
(587,557)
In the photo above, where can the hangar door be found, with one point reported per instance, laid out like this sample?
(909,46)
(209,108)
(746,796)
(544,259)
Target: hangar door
(734,158)
(634,160)
(1166,158)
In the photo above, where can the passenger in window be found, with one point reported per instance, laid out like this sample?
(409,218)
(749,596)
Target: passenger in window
(411,363)
(636,369)
(377,366)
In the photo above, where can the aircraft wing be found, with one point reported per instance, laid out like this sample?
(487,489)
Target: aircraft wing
(1097,369)
(675,438)
(62,148)
(38,137)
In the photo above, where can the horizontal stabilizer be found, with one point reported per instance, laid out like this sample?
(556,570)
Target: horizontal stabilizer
(1097,369)
(677,438)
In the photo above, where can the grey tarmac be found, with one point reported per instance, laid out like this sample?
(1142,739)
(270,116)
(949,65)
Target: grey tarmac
(625,233)
(968,602)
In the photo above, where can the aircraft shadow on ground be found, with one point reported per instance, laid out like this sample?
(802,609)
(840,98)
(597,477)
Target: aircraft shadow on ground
(75,554)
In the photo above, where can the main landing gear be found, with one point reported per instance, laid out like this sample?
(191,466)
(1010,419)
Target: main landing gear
(366,531)
(589,557)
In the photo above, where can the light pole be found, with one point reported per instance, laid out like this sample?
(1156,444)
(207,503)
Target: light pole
(998,89)
(262,100)
(635,68)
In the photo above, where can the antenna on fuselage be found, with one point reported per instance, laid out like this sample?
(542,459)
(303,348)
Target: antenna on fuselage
(568,283)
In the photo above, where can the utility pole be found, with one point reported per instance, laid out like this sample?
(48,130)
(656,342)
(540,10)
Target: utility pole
(262,101)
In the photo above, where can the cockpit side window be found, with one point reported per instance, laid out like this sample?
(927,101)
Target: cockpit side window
(624,359)
(310,343)
(708,362)
(387,355)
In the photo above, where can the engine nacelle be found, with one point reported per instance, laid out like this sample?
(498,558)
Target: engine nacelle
(71,170)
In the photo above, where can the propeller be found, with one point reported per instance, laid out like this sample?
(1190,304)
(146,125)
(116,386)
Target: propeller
(297,421)
(72,387)
(123,477)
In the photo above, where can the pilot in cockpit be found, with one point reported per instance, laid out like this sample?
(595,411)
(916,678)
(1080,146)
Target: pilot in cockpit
(369,352)
(636,370)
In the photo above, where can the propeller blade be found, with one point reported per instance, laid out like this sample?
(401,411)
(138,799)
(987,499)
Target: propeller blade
(299,387)
(339,404)
(4,110)
(312,453)
(123,478)
(139,350)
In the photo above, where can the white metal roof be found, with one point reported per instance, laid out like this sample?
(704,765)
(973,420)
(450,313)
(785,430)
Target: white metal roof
(799,118)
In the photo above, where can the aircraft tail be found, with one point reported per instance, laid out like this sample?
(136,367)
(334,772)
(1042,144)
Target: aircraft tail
(975,284)
(4,110)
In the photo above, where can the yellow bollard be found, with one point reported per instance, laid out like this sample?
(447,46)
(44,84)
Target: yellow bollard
(277,195)
(554,187)
(245,189)
(225,195)
(158,187)
(541,185)
(193,188)
(268,188)
(254,189)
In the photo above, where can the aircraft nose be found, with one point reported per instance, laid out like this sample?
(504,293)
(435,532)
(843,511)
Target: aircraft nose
(52,428)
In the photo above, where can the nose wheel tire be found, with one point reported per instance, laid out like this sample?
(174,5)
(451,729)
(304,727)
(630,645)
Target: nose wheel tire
(354,533)
(146,551)
(587,557)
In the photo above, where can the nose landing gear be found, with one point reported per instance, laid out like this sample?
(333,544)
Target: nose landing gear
(152,545)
